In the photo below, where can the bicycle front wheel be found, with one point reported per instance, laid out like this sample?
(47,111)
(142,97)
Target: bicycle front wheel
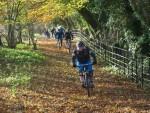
(87,85)
(68,45)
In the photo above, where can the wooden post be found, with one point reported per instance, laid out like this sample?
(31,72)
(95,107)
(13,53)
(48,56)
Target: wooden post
(142,75)
(124,61)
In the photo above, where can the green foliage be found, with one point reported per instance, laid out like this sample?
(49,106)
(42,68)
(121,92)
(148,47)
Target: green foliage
(111,69)
(144,44)
(135,26)
(15,79)
(20,56)
(141,10)
(118,23)
(75,4)
(23,46)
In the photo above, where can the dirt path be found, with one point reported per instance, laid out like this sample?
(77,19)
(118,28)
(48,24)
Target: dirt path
(55,88)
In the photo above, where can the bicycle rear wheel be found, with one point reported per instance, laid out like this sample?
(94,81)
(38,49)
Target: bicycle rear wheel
(68,44)
(59,44)
(69,48)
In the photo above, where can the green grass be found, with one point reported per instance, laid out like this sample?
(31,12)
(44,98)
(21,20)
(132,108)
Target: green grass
(24,46)
(20,56)
(16,66)
(15,79)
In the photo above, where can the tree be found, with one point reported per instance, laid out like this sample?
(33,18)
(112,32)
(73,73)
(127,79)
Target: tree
(141,8)
(11,10)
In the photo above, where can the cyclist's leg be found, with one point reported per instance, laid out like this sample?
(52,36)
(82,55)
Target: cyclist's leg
(69,41)
(57,43)
(80,70)
(61,41)
(66,43)
(69,45)
(89,68)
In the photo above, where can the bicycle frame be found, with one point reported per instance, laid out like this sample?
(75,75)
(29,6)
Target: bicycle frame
(68,45)
(87,79)
(87,82)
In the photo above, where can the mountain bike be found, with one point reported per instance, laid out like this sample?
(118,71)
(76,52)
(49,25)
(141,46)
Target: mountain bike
(68,45)
(87,79)
(59,43)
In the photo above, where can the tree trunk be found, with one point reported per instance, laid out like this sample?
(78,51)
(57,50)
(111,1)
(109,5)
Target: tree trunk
(89,17)
(11,37)
(1,43)
(19,36)
(31,35)
(29,40)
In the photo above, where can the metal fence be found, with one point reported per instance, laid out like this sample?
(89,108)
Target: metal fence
(136,67)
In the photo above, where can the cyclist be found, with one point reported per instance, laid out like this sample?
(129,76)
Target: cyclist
(68,38)
(82,55)
(53,31)
(59,36)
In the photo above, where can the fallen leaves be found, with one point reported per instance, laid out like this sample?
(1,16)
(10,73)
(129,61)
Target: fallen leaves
(55,88)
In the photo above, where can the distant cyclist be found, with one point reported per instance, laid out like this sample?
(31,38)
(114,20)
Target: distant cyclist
(68,38)
(83,55)
(59,36)
(53,31)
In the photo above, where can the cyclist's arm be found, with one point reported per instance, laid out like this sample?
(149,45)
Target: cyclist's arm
(56,35)
(93,55)
(63,34)
(71,35)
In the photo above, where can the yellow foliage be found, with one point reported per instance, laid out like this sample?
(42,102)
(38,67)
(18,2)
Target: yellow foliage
(43,10)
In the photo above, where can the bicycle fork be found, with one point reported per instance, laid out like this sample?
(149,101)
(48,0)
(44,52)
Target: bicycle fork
(87,80)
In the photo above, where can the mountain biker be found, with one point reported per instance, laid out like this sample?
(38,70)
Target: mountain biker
(68,37)
(53,32)
(82,55)
(59,35)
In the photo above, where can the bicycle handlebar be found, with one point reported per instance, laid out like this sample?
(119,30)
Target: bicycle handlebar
(84,64)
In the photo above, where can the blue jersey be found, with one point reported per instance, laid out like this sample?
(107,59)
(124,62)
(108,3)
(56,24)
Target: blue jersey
(59,34)
(82,56)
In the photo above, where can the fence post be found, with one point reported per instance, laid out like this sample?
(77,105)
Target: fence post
(132,70)
(142,75)
(149,66)
(137,76)
(105,52)
(112,56)
(100,47)
(124,60)
(128,60)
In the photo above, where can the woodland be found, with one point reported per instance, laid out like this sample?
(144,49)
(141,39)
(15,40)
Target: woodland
(36,77)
